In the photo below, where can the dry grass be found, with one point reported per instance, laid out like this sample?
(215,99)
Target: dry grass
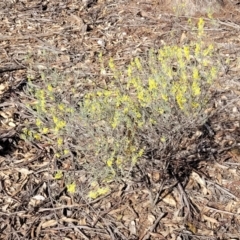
(192,7)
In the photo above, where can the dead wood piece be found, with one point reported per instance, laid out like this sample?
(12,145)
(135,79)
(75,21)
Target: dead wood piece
(7,134)
(11,69)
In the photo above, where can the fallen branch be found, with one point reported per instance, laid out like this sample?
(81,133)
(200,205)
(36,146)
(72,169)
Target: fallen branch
(151,229)
(11,69)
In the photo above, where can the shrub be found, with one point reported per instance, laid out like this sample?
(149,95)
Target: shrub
(106,129)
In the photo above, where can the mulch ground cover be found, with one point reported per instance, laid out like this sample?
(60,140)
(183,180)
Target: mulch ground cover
(200,203)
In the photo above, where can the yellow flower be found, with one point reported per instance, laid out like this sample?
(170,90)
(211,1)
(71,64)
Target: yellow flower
(197,49)
(111,64)
(98,192)
(195,105)
(200,27)
(181,100)
(61,106)
(41,94)
(140,95)
(195,74)
(152,84)
(132,64)
(138,63)
(152,121)
(49,88)
(140,153)
(37,136)
(38,122)
(161,111)
(195,88)
(70,110)
(25,131)
(125,110)
(213,72)
(183,76)
(165,97)
(115,121)
(99,93)
(42,75)
(140,124)
(208,51)
(58,175)
(129,71)
(163,139)
(205,62)
(134,159)
(186,52)
(66,151)
(93,194)
(42,105)
(73,90)
(103,191)
(60,124)
(119,162)
(55,119)
(107,93)
(45,130)
(110,162)
(71,188)
(180,58)
(57,155)
(59,141)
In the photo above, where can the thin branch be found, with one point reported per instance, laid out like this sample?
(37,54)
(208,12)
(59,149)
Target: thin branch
(151,229)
